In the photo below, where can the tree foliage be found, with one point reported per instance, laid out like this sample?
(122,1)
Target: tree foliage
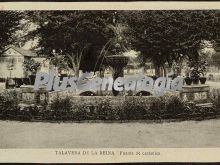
(78,35)
(9,24)
(31,66)
(162,36)
(167,36)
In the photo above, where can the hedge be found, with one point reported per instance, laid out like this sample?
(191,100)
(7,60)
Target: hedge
(165,107)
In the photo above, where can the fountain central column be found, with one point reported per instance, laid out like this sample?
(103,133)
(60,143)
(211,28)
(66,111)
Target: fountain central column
(117,63)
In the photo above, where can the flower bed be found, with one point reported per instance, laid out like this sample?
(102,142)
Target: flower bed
(130,108)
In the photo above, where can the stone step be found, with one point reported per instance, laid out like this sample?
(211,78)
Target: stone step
(205,105)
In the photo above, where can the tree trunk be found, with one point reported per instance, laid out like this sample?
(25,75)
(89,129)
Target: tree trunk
(164,71)
(161,72)
(102,75)
(158,71)
(180,70)
(75,63)
(77,67)
(77,72)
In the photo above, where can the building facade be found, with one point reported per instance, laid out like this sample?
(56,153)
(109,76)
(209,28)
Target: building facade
(12,62)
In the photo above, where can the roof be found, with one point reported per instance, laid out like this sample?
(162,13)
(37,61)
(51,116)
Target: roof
(24,52)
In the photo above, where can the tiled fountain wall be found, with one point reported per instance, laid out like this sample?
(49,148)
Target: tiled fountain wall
(29,96)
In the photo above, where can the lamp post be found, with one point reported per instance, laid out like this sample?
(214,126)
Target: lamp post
(10,68)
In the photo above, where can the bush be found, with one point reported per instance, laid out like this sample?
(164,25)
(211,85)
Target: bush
(134,109)
(60,109)
(61,105)
(80,112)
(8,100)
(175,107)
(158,108)
(106,112)
(215,98)
(8,104)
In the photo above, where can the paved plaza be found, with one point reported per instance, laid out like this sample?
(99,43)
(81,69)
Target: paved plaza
(185,134)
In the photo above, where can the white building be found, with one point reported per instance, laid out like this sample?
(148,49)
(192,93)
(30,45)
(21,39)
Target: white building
(12,60)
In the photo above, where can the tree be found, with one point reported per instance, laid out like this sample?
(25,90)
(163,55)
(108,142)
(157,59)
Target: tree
(216,59)
(168,36)
(10,21)
(73,34)
(31,66)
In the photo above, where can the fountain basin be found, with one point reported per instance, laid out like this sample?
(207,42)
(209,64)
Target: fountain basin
(195,93)
(117,61)
(29,96)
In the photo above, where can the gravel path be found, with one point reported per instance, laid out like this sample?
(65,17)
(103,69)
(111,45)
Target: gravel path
(15,134)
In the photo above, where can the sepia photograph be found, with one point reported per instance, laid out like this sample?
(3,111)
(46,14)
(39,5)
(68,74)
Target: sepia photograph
(109,79)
